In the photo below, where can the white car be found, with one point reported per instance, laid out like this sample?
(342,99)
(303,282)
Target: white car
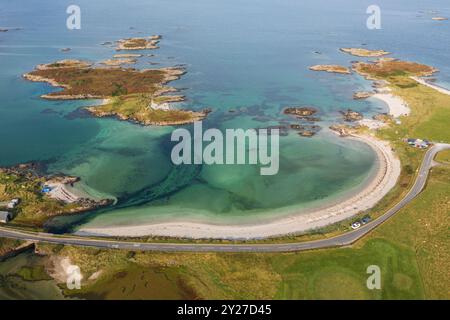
(355,225)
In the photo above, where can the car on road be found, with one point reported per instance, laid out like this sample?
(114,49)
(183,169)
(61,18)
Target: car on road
(355,225)
(365,220)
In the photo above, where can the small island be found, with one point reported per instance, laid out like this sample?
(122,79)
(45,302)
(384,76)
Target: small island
(300,112)
(331,68)
(148,43)
(305,130)
(361,52)
(351,116)
(128,94)
(360,95)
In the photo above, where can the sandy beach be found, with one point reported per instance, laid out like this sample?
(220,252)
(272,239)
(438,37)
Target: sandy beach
(397,107)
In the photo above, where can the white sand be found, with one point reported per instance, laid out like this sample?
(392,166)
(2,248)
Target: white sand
(397,107)
(383,181)
(430,85)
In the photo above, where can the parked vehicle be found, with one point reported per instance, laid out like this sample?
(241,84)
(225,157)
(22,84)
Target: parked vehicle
(355,225)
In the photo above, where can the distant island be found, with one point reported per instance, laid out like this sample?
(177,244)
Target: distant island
(332,68)
(361,52)
(148,43)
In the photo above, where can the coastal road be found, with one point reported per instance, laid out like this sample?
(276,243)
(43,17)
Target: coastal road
(337,241)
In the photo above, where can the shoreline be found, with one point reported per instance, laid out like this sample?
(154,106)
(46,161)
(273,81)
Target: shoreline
(382,182)
(432,86)
(397,107)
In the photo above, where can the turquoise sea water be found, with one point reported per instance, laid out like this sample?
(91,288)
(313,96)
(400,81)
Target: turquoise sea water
(250,56)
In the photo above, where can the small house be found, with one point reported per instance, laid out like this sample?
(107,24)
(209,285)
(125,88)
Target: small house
(13,203)
(5,216)
(418,143)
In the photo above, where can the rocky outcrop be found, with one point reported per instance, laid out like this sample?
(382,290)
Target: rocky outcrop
(351,116)
(362,95)
(300,112)
(305,130)
(148,43)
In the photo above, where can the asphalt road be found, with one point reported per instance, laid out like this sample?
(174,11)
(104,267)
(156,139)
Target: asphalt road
(337,241)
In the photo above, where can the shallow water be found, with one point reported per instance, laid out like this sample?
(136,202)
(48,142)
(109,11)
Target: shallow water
(254,60)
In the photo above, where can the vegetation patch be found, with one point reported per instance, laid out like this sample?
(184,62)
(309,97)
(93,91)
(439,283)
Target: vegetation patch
(132,95)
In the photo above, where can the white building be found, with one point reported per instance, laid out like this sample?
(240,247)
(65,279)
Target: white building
(13,203)
(5,217)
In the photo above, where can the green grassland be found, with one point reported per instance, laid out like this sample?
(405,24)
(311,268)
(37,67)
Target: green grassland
(444,157)
(130,91)
(135,107)
(8,245)
(34,273)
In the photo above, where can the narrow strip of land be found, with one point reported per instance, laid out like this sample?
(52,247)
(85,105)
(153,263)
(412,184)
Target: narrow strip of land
(337,241)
